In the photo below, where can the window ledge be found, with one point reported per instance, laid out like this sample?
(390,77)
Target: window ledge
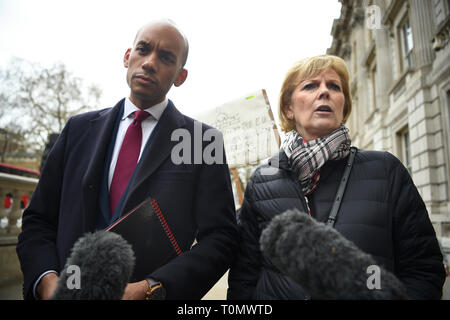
(400,81)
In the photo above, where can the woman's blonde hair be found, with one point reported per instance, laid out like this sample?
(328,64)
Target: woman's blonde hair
(308,68)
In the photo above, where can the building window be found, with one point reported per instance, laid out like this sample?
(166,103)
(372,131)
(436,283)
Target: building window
(448,103)
(440,10)
(354,116)
(407,45)
(373,76)
(405,148)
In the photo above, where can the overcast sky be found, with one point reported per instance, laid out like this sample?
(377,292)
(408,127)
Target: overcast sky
(236,47)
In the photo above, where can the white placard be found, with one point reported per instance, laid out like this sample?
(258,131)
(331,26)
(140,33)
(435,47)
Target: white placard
(247,127)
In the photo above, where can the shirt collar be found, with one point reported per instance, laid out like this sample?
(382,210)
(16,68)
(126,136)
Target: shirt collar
(156,110)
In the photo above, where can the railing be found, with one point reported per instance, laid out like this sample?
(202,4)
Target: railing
(10,218)
(10,226)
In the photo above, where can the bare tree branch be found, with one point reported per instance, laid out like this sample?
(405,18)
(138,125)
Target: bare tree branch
(45,97)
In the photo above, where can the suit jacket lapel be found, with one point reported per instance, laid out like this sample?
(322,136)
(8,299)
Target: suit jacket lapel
(99,138)
(159,148)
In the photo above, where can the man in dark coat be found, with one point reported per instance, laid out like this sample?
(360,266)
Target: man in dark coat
(73,194)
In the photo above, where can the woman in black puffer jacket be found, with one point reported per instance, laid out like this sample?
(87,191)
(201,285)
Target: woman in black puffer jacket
(381,211)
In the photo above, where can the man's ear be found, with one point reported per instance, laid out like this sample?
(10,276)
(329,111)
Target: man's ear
(126,57)
(181,77)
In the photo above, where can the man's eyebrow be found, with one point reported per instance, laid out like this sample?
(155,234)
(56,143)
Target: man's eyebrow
(166,52)
(142,42)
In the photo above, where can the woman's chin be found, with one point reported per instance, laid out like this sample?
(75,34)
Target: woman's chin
(319,131)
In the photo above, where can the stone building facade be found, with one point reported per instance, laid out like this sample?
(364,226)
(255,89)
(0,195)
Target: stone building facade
(398,55)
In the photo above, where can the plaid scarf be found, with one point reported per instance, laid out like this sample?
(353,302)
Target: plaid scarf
(306,158)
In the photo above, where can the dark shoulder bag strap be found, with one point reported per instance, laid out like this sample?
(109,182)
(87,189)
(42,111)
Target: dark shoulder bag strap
(340,193)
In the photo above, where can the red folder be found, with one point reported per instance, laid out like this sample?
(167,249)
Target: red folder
(146,230)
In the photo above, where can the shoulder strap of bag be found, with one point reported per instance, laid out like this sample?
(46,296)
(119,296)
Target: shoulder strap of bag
(340,193)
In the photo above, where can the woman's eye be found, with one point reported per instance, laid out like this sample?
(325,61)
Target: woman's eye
(309,86)
(335,87)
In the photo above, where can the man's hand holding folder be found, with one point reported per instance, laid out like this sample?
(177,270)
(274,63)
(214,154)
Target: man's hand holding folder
(153,243)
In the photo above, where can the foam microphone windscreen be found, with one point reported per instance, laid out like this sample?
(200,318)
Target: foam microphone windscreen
(323,262)
(99,268)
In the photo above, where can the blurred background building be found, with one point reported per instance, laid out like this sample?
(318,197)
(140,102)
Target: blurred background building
(398,55)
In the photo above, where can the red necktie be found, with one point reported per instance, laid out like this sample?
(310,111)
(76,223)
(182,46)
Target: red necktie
(127,159)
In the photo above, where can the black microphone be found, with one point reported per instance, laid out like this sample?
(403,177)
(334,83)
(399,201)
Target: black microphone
(99,268)
(324,263)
